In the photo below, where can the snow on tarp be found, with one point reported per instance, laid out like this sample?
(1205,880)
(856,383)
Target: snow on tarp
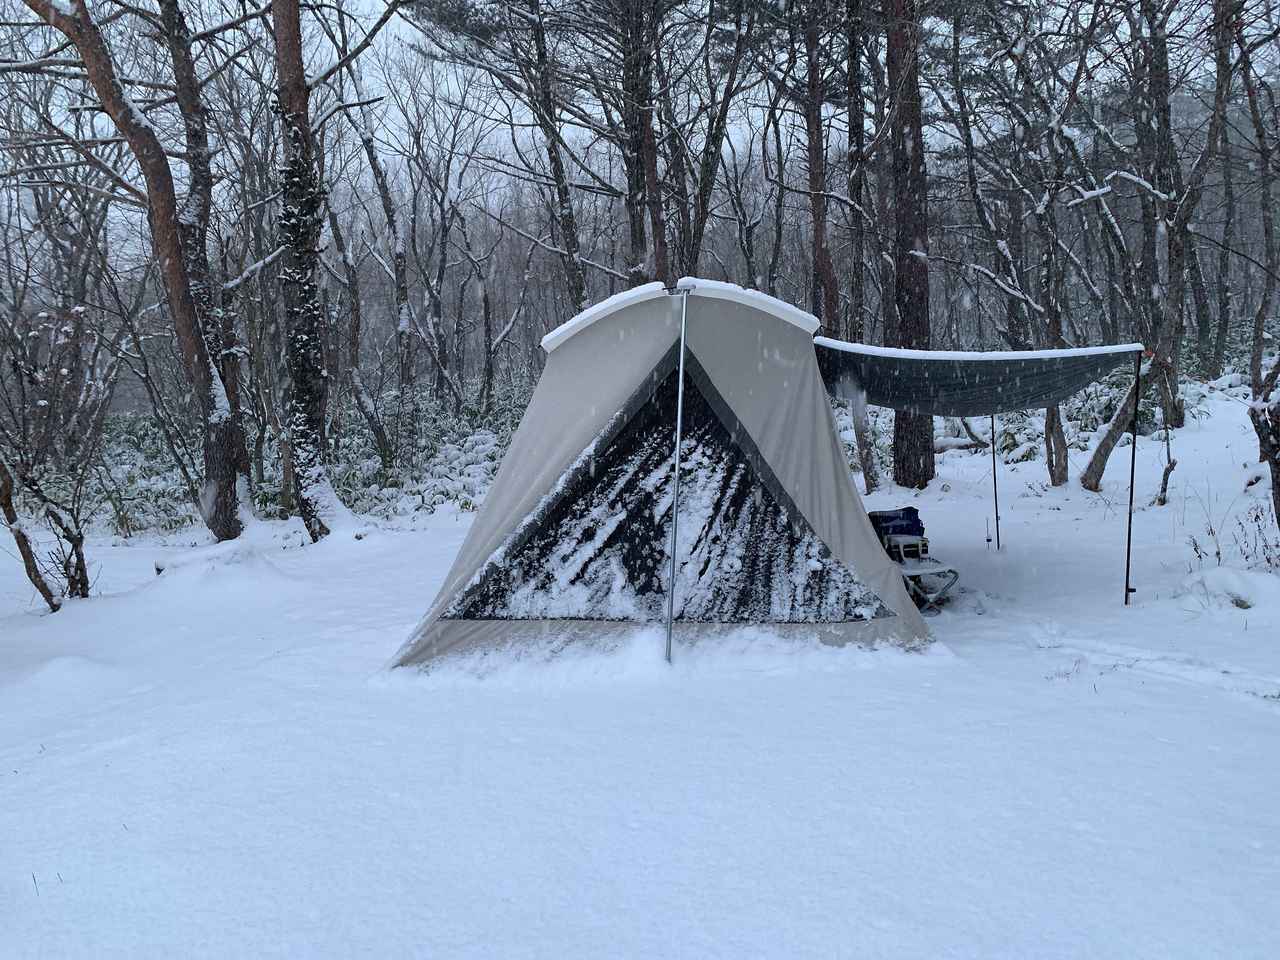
(949,383)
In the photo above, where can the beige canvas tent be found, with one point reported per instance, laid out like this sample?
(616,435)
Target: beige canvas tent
(575,538)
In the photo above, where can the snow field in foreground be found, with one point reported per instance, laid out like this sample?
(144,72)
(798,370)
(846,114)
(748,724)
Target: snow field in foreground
(216,762)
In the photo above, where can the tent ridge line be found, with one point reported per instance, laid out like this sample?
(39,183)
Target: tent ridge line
(694,286)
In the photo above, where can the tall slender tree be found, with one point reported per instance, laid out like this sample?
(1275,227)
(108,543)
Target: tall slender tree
(302,209)
(912,432)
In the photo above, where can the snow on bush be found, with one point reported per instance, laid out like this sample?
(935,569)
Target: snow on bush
(444,459)
(1230,587)
(138,486)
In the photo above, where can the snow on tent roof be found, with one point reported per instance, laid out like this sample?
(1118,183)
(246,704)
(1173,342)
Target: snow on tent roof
(594,312)
(719,290)
(697,287)
(950,383)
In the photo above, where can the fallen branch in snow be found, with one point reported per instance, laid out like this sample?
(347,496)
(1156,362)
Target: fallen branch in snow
(1163,496)
(943,444)
(980,443)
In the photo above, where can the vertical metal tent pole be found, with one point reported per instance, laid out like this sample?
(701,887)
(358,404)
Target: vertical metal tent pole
(675,489)
(1133,464)
(995,489)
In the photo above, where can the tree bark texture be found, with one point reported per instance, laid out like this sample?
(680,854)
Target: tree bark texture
(8,510)
(913,463)
(300,226)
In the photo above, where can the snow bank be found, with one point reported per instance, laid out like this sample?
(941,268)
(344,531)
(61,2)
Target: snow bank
(259,538)
(1227,586)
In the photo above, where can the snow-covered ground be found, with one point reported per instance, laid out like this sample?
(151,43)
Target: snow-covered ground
(215,762)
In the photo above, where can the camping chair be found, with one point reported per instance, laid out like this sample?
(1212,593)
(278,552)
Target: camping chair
(902,534)
(928,581)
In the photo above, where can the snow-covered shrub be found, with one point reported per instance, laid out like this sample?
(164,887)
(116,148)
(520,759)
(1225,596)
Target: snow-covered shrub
(880,426)
(1255,538)
(1239,539)
(139,487)
(444,458)
(1225,587)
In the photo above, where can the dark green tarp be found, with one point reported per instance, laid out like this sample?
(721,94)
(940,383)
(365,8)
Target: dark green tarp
(956,384)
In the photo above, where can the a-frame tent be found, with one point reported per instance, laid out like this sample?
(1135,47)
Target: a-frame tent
(574,540)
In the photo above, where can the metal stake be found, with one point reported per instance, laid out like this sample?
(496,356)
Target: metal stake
(675,491)
(1133,464)
(995,489)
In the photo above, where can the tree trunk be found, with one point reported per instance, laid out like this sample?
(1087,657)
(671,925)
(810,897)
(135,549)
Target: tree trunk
(1264,410)
(23,542)
(1266,425)
(1055,446)
(886,217)
(678,169)
(547,117)
(223,440)
(826,302)
(1121,420)
(359,393)
(912,433)
(649,147)
(1052,282)
(636,93)
(300,226)
(226,456)
(1225,294)
(855,326)
(1168,315)
(778,219)
(1200,299)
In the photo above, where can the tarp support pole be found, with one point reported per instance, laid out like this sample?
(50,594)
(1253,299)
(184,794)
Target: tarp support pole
(995,489)
(675,489)
(1133,465)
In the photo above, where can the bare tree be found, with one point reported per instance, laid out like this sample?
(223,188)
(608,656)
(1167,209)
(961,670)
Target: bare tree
(220,497)
(1264,410)
(912,432)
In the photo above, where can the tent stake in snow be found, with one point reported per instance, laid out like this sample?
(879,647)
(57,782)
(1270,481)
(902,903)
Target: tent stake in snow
(1133,464)
(995,489)
(675,488)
